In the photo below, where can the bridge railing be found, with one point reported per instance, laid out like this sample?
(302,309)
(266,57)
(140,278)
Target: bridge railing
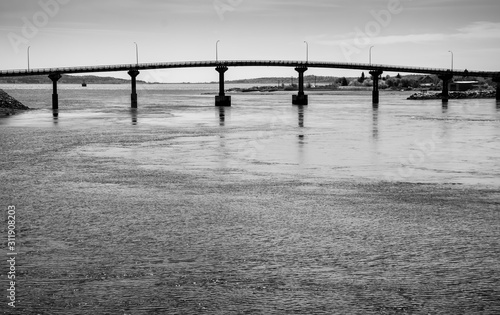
(209,63)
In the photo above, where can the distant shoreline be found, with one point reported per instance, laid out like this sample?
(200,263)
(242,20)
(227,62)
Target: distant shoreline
(454,95)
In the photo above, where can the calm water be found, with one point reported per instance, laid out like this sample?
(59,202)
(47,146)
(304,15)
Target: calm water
(338,136)
(262,208)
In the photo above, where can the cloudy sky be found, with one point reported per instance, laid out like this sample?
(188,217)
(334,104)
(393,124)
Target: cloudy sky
(65,33)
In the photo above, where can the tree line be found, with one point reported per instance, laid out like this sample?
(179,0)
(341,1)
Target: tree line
(406,82)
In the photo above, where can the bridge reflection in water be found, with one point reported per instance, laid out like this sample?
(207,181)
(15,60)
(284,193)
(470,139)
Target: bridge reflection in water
(221,114)
(55,116)
(375,123)
(446,75)
(133,115)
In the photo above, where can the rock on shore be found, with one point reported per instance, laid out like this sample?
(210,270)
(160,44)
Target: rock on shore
(453,95)
(9,105)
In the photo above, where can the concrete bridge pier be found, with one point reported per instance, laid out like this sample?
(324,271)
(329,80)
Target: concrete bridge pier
(222,99)
(446,78)
(300,98)
(375,94)
(497,81)
(133,73)
(55,97)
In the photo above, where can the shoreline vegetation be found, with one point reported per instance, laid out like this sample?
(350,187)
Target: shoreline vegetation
(271,88)
(9,105)
(398,82)
(453,95)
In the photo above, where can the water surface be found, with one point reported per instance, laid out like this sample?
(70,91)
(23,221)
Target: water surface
(179,207)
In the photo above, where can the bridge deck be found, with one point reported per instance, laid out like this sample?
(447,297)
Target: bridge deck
(246,63)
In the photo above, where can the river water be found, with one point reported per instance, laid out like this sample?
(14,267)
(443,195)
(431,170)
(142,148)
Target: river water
(180,207)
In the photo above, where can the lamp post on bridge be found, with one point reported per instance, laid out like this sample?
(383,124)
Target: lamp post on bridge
(307,51)
(136,53)
(217,50)
(370,54)
(451,59)
(29,58)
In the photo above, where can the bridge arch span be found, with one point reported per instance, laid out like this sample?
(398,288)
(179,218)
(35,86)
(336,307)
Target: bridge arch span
(300,65)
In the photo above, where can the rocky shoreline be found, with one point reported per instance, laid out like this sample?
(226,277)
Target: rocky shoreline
(453,95)
(9,105)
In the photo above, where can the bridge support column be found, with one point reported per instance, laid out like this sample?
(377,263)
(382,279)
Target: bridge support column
(55,97)
(497,81)
(222,99)
(300,98)
(446,86)
(133,97)
(375,94)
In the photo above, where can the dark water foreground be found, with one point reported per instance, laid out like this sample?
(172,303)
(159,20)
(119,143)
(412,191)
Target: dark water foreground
(102,234)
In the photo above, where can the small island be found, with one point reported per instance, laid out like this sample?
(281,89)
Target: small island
(426,87)
(9,105)
(453,95)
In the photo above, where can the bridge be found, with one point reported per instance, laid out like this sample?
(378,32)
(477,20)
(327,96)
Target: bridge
(375,70)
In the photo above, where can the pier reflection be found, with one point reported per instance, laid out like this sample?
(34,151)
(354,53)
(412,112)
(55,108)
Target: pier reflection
(222,112)
(55,116)
(375,123)
(442,134)
(133,115)
(301,110)
(444,107)
(301,113)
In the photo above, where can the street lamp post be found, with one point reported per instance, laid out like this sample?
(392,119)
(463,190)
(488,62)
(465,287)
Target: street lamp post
(217,50)
(29,58)
(371,54)
(307,51)
(136,53)
(451,59)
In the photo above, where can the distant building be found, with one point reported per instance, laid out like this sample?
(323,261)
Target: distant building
(459,86)
(426,82)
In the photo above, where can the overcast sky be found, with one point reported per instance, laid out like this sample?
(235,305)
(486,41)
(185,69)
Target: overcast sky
(65,33)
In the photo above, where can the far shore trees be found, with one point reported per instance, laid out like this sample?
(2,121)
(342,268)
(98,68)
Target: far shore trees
(362,78)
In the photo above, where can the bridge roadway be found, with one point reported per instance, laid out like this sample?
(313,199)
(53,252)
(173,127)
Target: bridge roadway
(247,63)
(222,65)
